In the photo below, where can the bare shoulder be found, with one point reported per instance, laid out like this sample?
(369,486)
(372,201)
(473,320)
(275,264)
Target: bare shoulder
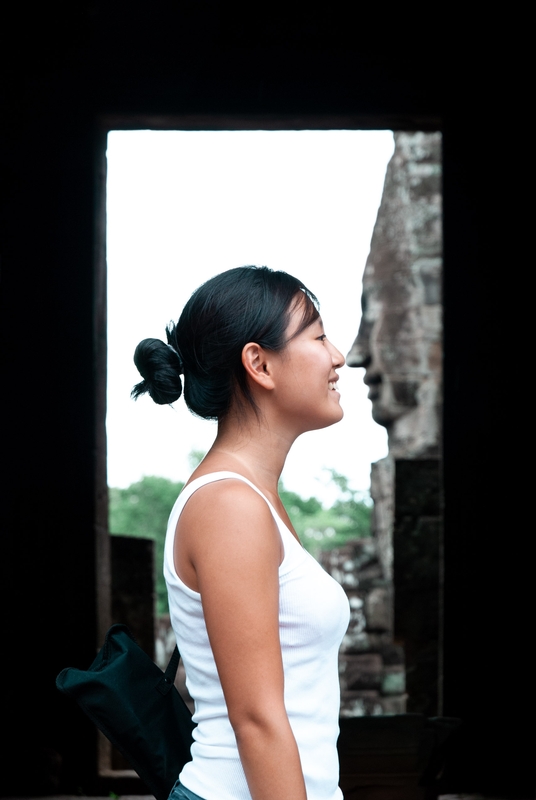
(224,517)
(226,498)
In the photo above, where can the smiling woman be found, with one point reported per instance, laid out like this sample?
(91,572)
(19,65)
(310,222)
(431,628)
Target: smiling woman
(257,620)
(306,397)
(183,205)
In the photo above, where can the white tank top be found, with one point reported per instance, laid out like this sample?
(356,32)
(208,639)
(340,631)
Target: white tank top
(313,617)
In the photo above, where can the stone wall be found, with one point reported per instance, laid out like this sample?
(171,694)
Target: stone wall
(371,666)
(417,543)
(395,594)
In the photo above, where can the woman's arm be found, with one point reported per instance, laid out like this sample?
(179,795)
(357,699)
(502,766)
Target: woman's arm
(228,545)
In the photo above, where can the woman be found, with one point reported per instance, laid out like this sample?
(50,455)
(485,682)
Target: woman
(257,620)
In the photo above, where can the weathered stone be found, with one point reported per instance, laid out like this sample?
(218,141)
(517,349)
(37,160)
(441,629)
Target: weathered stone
(361,672)
(378,609)
(358,623)
(370,577)
(399,339)
(365,703)
(165,641)
(346,564)
(392,654)
(381,490)
(374,642)
(394,704)
(356,643)
(393,680)
(399,346)
(416,537)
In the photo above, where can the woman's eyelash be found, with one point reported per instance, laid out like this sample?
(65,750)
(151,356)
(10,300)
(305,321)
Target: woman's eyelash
(323,337)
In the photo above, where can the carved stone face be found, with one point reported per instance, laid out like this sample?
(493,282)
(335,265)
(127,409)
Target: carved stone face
(399,338)
(387,344)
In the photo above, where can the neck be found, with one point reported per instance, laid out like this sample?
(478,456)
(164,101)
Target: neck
(250,446)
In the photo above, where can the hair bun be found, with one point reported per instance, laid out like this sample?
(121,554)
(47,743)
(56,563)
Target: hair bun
(160,366)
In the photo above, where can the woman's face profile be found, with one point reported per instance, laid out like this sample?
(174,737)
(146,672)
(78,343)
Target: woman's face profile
(305,375)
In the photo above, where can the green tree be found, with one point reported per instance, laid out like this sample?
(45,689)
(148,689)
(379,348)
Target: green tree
(322,528)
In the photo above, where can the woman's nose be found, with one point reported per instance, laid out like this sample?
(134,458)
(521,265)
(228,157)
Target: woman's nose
(337,357)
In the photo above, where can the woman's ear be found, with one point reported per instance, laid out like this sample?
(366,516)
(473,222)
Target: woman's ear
(257,365)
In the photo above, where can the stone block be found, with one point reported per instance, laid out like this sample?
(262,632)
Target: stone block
(391,653)
(355,638)
(356,641)
(364,703)
(369,577)
(346,564)
(417,546)
(395,704)
(361,672)
(393,680)
(165,641)
(378,609)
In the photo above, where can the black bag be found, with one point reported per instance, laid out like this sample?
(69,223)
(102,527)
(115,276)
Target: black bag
(137,707)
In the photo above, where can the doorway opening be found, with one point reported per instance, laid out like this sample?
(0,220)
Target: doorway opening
(182,206)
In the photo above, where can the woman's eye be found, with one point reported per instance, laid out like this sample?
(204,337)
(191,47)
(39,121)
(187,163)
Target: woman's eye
(323,337)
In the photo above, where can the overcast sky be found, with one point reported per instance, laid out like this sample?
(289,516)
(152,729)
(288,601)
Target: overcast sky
(183,206)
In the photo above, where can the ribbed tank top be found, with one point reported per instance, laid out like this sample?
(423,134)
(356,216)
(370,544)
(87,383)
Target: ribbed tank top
(313,617)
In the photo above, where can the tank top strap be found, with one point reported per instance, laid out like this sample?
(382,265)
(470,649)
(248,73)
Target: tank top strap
(290,544)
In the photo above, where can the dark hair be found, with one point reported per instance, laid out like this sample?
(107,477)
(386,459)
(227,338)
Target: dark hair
(246,304)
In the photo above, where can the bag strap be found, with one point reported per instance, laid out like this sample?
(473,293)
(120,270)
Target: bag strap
(168,678)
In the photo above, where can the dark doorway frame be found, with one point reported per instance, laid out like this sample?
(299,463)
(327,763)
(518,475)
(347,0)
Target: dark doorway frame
(168,123)
(68,70)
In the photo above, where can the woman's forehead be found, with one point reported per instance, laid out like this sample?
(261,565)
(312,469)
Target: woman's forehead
(300,314)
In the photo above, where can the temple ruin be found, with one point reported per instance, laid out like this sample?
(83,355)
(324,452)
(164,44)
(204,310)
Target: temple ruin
(392,645)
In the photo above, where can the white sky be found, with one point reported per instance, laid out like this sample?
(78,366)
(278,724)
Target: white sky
(183,206)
